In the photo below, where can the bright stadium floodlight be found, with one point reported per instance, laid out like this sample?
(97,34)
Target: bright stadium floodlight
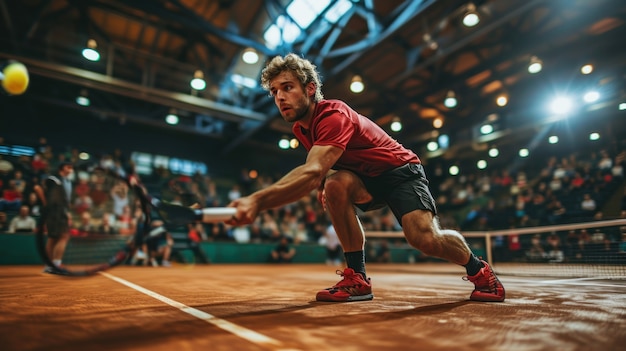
(591,96)
(561,105)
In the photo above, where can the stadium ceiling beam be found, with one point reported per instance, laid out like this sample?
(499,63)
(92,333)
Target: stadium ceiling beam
(158,25)
(457,45)
(39,18)
(7,22)
(123,116)
(189,18)
(411,10)
(112,85)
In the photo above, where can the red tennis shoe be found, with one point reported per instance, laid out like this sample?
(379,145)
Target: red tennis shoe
(353,287)
(487,286)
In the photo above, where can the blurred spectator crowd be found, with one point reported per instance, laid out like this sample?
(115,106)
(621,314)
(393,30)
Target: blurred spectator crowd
(577,187)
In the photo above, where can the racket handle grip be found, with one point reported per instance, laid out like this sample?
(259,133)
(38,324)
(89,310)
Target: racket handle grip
(197,215)
(214,214)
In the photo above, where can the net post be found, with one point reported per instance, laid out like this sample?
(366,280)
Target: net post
(488,248)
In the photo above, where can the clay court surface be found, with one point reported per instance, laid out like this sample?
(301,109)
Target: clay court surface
(272,307)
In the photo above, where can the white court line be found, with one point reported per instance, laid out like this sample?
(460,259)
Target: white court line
(239,331)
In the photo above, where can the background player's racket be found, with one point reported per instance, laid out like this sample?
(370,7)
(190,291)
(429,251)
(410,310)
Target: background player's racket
(91,248)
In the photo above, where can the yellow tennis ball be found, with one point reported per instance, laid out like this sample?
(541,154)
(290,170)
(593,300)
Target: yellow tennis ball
(15,79)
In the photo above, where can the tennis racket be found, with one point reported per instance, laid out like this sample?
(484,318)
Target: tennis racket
(176,215)
(98,237)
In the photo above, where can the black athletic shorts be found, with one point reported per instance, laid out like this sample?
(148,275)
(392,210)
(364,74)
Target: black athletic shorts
(403,189)
(56,221)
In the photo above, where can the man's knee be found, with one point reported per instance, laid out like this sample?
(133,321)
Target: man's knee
(345,186)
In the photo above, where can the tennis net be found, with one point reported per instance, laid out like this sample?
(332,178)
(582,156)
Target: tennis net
(579,250)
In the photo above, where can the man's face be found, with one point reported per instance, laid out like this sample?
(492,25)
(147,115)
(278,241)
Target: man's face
(67,170)
(290,97)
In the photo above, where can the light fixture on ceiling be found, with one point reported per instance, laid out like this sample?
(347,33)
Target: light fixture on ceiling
(535,65)
(172,118)
(524,152)
(90,52)
(432,146)
(450,101)
(471,18)
(198,82)
(283,143)
(250,56)
(591,96)
(430,42)
(454,170)
(444,141)
(438,122)
(586,69)
(553,139)
(396,124)
(493,152)
(502,100)
(294,143)
(356,85)
(83,98)
(561,105)
(486,129)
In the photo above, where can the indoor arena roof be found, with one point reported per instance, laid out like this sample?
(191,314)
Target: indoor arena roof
(410,55)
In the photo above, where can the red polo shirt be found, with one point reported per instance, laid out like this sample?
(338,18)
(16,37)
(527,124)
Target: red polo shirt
(368,149)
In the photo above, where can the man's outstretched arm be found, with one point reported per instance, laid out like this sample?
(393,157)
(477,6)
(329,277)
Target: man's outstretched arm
(294,185)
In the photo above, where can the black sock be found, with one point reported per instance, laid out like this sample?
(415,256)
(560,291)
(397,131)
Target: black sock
(356,261)
(474,265)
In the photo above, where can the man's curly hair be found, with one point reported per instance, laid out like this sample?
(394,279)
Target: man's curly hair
(303,69)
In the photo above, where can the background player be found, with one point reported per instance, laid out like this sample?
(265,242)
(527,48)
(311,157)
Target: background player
(55,197)
(370,170)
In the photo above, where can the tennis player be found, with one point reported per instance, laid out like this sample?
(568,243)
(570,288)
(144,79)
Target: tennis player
(352,162)
(55,217)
